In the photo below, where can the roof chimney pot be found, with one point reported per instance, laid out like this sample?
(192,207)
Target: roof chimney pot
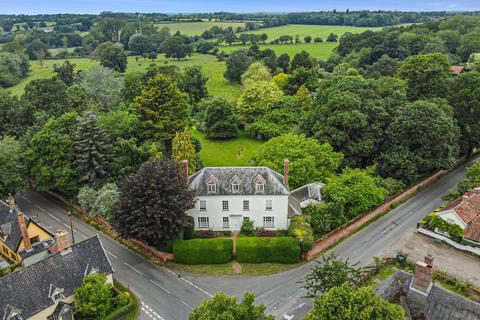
(23,229)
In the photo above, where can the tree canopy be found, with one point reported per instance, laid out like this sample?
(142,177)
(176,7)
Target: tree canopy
(153,203)
(309,160)
(223,307)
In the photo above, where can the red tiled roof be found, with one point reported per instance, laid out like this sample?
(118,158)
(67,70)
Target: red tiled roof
(472,232)
(456,70)
(469,208)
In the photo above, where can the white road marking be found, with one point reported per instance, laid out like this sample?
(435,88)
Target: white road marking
(287,317)
(136,270)
(53,217)
(111,254)
(187,281)
(188,306)
(150,312)
(160,286)
(21,195)
(66,225)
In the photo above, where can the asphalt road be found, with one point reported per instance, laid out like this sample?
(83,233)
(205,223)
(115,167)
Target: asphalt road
(170,296)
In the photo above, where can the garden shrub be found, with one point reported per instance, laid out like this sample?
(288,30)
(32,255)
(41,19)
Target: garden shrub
(301,230)
(393,186)
(266,233)
(203,251)
(247,228)
(204,234)
(453,230)
(260,250)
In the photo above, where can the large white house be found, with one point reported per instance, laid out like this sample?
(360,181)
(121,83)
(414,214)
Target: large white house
(226,196)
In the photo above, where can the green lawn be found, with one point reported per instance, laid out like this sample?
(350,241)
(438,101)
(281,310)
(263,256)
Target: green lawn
(309,30)
(224,153)
(318,50)
(217,84)
(197,28)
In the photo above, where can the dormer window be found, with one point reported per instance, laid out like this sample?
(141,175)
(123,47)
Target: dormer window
(212,184)
(12,313)
(259,182)
(235,183)
(56,294)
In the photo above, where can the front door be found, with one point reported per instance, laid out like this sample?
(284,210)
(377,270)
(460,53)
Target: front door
(235,223)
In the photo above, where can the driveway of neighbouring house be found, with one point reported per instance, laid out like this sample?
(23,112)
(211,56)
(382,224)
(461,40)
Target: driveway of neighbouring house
(454,262)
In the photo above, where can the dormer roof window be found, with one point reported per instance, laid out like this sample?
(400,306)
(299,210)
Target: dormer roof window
(259,182)
(56,294)
(12,313)
(235,183)
(212,184)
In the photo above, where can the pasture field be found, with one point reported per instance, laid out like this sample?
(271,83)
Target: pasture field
(217,85)
(229,152)
(197,28)
(303,30)
(318,50)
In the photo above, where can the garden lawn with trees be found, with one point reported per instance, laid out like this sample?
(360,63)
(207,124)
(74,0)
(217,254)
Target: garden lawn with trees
(213,69)
(197,28)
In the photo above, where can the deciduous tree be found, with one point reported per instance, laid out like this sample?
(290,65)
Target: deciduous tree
(309,160)
(219,119)
(237,63)
(222,307)
(257,99)
(12,167)
(346,303)
(331,272)
(93,299)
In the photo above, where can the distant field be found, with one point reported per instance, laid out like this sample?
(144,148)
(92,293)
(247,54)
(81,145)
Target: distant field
(231,152)
(318,50)
(309,30)
(197,28)
(217,84)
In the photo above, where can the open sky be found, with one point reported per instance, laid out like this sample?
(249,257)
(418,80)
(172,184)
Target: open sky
(178,6)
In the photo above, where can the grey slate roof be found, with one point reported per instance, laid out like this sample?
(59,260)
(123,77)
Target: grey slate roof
(9,224)
(27,289)
(440,304)
(273,186)
(309,192)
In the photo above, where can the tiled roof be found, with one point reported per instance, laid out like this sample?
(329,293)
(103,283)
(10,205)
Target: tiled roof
(469,209)
(223,176)
(456,70)
(27,289)
(466,207)
(472,231)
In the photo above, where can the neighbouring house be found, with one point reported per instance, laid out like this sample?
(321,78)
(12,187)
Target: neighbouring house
(21,239)
(464,212)
(45,290)
(422,299)
(227,196)
(456,70)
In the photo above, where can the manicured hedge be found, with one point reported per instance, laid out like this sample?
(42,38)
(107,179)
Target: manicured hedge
(258,250)
(203,251)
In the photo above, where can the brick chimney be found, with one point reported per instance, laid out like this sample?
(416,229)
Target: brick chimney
(23,230)
(185,171)
(422,275)
(11,202)
(62,240)
(285,171)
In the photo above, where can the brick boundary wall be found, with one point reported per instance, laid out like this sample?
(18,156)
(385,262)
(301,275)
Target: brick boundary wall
(336,235)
